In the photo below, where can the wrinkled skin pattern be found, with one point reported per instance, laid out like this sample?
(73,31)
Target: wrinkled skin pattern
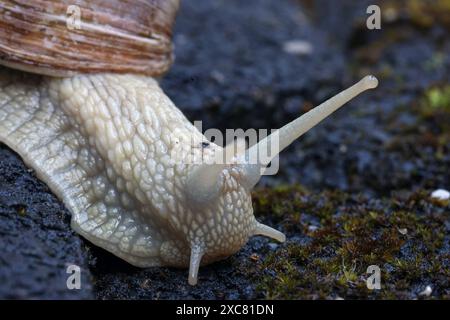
(113,148)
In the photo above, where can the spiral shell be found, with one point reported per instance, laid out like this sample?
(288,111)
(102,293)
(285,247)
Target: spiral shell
(63,38)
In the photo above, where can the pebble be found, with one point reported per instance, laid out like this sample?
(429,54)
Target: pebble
(427,292)
(440,194)
(298,47)
(254,257)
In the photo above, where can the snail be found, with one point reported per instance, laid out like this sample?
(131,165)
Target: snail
(83,108)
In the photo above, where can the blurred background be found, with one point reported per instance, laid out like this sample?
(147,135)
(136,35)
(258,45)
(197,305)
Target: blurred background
(353,192)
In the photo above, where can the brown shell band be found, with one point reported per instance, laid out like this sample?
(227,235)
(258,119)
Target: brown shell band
(61,38)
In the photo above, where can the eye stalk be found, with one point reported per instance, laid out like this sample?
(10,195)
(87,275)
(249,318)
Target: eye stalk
(204,181)
(296,128)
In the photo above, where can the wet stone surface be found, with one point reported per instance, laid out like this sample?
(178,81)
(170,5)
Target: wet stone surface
(346,192)
(37,243)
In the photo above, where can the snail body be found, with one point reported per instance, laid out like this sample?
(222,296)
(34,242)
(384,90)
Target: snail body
(138,178)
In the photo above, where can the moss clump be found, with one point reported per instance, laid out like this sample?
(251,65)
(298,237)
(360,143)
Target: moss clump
(436,99)
(405,236)
(422,13)
(275,202)
(428,13)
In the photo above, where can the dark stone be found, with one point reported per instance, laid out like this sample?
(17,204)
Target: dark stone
(37,243)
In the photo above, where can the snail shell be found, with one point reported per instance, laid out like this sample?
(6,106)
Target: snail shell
(120,36)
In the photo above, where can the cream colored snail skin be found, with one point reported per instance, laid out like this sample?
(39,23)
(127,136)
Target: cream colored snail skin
(116,150)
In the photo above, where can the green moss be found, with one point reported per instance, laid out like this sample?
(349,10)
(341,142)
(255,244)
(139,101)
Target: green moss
(422,13)
(428,13)
(437,98)
(332,260)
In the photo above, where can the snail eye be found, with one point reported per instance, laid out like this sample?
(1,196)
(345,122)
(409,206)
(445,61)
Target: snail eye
(204,144)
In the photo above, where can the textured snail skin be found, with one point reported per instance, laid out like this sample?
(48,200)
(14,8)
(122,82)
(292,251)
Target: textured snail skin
(105,144)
